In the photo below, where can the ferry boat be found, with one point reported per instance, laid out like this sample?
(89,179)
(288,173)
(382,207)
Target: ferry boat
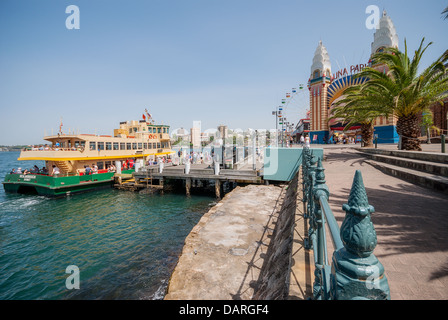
(88,161)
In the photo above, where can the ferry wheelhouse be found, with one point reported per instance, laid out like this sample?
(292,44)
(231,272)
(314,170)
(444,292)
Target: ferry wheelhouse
(88,161)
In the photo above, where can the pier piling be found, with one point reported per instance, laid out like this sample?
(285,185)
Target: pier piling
(218,188)
(187,186)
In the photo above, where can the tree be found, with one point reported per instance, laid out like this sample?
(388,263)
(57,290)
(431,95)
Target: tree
(428,124)
(403,92)
(351,109)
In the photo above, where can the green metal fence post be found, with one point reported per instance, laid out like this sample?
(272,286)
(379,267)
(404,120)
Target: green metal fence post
(321,287)
(356,272)
(305,180)
(310,202)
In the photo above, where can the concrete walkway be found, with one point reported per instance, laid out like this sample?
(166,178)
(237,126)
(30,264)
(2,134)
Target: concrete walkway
(411,224)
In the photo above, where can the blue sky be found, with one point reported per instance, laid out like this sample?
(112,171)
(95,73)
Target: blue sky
(219,62)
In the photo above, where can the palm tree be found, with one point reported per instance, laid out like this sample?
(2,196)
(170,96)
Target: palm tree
(351,110)
(445,12)
(402,92)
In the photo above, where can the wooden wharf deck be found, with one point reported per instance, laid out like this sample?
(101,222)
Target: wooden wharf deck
(150,177)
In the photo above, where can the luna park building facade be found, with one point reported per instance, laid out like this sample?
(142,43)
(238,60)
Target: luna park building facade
(325,88)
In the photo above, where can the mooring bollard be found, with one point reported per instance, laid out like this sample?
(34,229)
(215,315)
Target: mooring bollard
(356,272)
(161,166)
(216,165)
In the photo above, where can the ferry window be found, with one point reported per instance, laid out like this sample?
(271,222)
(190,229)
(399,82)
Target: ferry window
(130,131)
(122,146)
(107,164)
(83,144)
(140,145)
(158,130)
(92,145)
(100,165)
(154,145)
(76,144)
(145,145)
(167,130)
(116,146)
(158,145)
(134,146)
(150,129)
(163,130)
(128,146)
(100,145)
(108,145)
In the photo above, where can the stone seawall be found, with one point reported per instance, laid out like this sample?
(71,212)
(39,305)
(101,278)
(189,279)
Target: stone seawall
(241,249)
(273,283)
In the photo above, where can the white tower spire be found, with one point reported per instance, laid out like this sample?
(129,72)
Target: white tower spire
(386,35)
(321,61)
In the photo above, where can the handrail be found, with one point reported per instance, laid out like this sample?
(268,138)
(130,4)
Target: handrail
(332,224)
(354,273)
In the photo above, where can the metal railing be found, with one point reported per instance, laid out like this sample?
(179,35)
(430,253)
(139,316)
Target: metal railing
(354,273)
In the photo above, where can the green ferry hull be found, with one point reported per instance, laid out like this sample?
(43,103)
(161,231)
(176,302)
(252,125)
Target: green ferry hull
(57,186)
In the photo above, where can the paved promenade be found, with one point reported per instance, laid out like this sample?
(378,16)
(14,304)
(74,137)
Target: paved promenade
(411,223)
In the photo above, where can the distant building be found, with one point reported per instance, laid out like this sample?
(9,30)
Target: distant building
(195,134)
(302,128)
(440,114)
(440,117)
(181,134)
(223,131)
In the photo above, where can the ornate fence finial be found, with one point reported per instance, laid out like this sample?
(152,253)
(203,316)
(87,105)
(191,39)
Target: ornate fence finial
(357,231)
(320,186)
(356,272)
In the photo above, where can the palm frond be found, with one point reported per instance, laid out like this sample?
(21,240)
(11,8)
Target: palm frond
(445,13)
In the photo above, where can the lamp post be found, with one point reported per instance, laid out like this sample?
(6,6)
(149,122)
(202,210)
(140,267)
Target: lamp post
(278,116)
(275,113)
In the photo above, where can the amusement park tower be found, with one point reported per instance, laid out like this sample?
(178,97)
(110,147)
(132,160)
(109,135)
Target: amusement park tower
(318,83)
(325,87)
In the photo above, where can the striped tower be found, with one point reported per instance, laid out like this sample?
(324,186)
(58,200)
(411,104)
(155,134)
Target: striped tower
(318,85)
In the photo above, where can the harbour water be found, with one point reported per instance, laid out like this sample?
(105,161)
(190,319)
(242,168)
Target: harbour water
(125,244)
